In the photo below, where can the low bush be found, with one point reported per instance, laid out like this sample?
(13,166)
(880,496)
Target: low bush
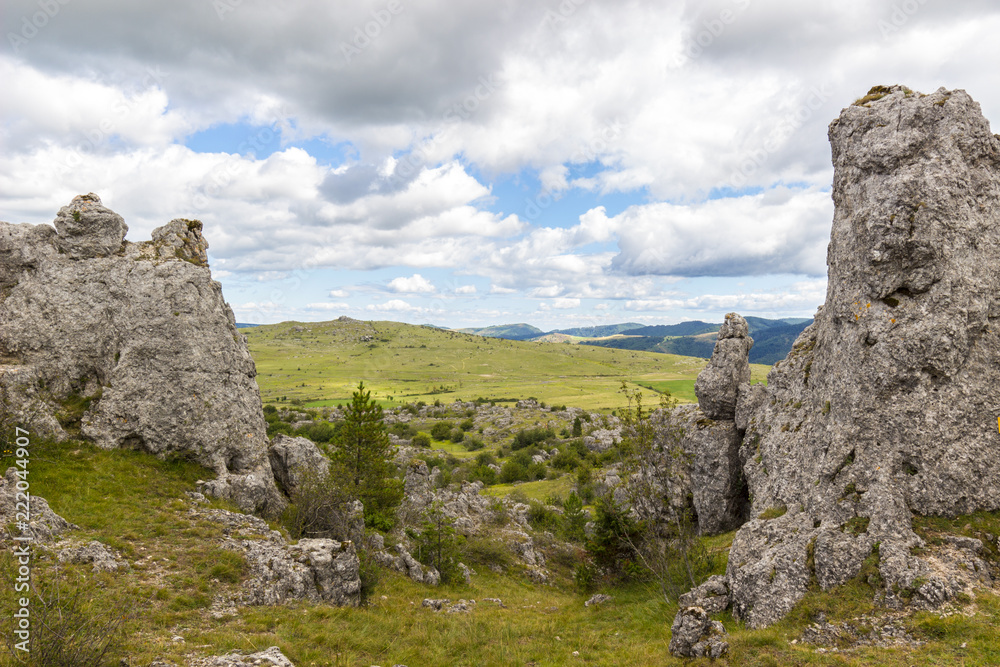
(442,430)
(542,517)
(533,436)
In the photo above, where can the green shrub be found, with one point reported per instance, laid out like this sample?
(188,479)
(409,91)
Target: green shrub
(421,440)
(442,430)
(484,474)
(457,435)
(615,536)
(512,471)
(276,427)
(72,621)
(583,578)
(467,424)
(474,444)
(319,432)
(565,460)
(528,437)
(402,430)
(541,517)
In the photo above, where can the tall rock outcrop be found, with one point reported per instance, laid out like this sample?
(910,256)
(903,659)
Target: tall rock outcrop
(137,335)
(709,473)
(888,404)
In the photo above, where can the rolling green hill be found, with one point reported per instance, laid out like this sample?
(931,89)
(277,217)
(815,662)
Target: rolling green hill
(773,339)
(320,363)
(507,331)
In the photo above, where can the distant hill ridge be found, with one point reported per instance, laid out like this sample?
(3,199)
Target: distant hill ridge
(773,339)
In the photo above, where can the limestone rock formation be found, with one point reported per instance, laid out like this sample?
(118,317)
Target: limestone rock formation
(695,635)
(294,459)
(102,558)
(44,525)
(708,436)
(320,570)
(712,595)
(888,403)
(717,385)
(137,334)
(271,657)
(86,229)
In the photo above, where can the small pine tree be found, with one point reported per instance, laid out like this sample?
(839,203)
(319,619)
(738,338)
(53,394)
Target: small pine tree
(574,518)
(363,458)
(437,543)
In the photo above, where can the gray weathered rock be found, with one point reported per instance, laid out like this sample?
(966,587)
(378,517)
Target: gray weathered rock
(142,331)
(597,599)
(86,229)
(294,459)
(44,524)
(320,570)
(750,399)
(271,657)
(886,404)
(712,595)
(695,457)
(102,558)
(695,635)
(717,385)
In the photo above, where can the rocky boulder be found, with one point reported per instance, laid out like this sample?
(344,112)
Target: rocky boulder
(887,404)
(271,657)
(102,558)
(712,595)
(44,525)
(86,229)
(695,635)
(319,570)
(294,460)
(718,384)
(130,345)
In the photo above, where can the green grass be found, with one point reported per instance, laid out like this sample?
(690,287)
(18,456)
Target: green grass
(402,363)
(132,502)
(539,490)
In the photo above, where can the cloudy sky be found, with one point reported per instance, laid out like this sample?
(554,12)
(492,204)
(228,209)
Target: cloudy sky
(472,162)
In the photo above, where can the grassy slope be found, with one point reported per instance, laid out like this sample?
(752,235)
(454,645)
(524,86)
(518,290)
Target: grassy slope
(541,625)
(321,364)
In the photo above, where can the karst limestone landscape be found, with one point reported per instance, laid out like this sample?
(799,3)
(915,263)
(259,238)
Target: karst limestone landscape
(885,412)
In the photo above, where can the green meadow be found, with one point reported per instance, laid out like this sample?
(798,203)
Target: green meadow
(320,363)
